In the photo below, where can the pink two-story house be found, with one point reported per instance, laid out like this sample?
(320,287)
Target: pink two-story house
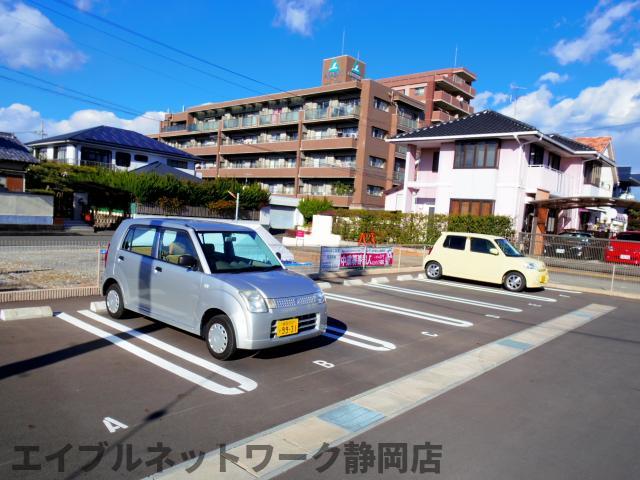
(488,163)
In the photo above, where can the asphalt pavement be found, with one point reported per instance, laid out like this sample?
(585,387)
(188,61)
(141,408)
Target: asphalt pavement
(84,396)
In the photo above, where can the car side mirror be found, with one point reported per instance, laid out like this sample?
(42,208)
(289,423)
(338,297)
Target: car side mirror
(188,261)
(494,251)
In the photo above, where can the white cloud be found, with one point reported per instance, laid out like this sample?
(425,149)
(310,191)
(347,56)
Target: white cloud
(300,15)
(598,35)
(628,65)
(28,39)
(487,99)
(594,111)
(22,118)
(84,5)
(553,77)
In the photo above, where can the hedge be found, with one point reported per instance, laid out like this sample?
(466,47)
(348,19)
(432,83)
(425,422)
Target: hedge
(415,228)
(142,188)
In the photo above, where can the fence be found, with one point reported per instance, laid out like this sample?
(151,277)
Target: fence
(190,211)
(581,262)
(36,268)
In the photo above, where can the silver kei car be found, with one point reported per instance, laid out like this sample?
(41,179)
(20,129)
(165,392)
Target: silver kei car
(217,280)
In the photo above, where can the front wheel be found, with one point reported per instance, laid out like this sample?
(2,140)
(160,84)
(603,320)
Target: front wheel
(514,282)
(433,270)
(220,337)
(114,301)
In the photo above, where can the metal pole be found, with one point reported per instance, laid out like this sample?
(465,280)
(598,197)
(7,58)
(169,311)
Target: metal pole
(613,276)
(399,257)
(237,204)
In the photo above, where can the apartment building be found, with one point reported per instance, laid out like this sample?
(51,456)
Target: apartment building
(326,141)
(489,163)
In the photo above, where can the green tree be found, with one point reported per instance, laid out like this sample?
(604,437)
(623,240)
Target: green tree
(312,206)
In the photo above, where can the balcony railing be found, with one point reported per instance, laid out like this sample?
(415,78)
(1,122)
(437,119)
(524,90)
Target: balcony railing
(453,82)
(256,140)
(439,117)
(259,164)
(327,163)
(231,123)
(281,189)
(451,101)
(407,123)
(211,125)
(325,192)
(339,111)
(316,135)
(173,128)
(289,117)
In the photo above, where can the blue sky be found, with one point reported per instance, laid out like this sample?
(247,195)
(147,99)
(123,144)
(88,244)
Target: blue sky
(576,63)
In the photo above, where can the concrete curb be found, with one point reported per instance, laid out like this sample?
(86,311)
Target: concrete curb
(379,280)
(353,283)
(323,285)
(404,278)
(98,307)
(597,291)
(10,314)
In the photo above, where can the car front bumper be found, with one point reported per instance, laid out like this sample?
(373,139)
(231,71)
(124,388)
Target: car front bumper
(537,278)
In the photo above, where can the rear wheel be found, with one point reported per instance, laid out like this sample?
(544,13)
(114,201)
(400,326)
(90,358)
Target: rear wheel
(514,282)
(433,270)
(220,337)
(114,301)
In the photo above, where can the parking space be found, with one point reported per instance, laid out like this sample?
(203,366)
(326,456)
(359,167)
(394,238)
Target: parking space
(132,383)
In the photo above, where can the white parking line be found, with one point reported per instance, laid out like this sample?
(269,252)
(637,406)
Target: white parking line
(448,298)
(244,383)
(400,311)
(562,290)
(150,357)
(523,296)
(343,336)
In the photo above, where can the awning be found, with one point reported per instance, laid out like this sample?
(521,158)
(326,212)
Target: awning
(566,203)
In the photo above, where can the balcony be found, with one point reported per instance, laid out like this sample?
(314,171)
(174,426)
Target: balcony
(401,151)
(173,128)
(280,189)
(325,140)
(441,117)
(332,113)
(557,183)
(208,126)
(258,144)
(407,123)
(454,84)
(261,163)
(447,101)
(261,120)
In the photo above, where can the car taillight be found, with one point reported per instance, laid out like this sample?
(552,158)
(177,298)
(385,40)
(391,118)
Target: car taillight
(106,255)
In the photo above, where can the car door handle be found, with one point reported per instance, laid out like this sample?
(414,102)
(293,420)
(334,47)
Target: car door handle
(120,258)
(158,269)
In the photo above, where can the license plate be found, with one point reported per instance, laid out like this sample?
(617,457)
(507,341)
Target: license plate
(625,257)
(286,327)
(544,278)
(559,250)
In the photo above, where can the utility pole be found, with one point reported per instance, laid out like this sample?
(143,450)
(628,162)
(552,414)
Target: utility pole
(237,197)
(515,88)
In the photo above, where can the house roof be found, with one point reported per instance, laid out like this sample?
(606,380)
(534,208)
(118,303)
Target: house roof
(116,137)
(573,144)
(599,143)
(160,168)
(14,150)
(481,123)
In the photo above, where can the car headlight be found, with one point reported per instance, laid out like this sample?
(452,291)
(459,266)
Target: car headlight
(320,298)
(255,301)
(531,266)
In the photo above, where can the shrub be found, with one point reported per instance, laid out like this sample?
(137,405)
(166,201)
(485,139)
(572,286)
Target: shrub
(312,206)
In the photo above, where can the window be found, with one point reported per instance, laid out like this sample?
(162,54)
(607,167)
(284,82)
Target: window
(178,163)
(380,104)
(375,190)
(378,133)
(174,244)
(123,159)
(436,162)
(141,158)
(140,240)
(236,252)
(536,155)
(481,245)
(471,207)
(592,173)
(628,236)
(476,154)
(455,242)
(554,161)
(377,162)
(60,153)
(418,91)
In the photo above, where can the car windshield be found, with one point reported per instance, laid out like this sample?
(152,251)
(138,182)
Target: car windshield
(236,252)
(508,249)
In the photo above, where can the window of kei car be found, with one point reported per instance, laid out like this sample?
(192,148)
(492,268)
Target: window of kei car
(236,252)
(508,249)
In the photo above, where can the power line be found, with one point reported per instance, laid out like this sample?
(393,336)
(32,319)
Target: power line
(170,47)
(108,54)
(152,52)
